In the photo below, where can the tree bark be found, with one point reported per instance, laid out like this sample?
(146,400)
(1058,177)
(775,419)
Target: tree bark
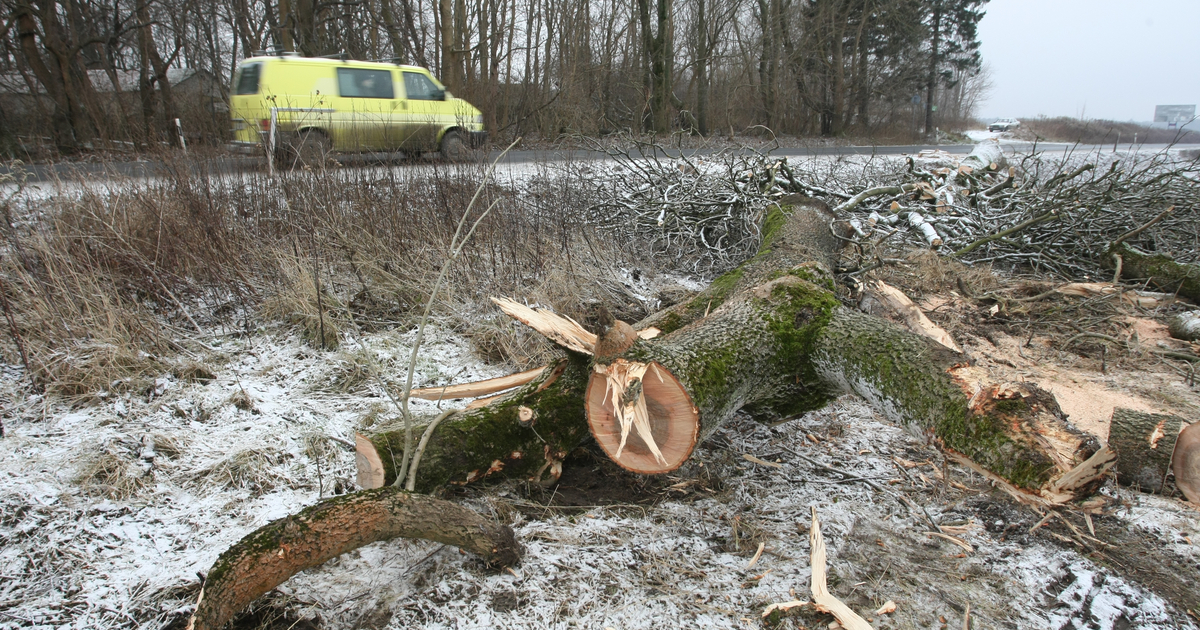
(490,440)
(1144,443)
(271,554)
(1162,270)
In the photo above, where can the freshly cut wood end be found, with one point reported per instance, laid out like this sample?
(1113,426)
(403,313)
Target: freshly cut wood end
(670,418)
(478,388)
(370,466)
(1186,463)
(560,329)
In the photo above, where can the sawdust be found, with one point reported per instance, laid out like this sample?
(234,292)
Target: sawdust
(1088,398)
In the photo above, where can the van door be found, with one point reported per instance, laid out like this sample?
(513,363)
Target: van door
(365,113)
(423,119)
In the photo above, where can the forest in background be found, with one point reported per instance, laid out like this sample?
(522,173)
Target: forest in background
(880,69)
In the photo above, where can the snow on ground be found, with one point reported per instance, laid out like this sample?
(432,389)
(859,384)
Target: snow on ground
(121,549)
(979,135)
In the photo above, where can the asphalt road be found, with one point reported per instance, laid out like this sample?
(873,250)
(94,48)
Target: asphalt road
(73,171)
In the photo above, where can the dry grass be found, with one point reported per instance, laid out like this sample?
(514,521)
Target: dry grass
(103,282)
(1064,129)
(248,468)
(926,272)
(300,299)
(114,471)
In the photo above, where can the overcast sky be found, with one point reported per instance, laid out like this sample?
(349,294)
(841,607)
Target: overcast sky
(1113,59)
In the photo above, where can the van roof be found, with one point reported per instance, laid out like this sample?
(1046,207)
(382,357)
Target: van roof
(322,61)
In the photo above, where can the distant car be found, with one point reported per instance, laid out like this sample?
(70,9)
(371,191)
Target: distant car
(1004,124)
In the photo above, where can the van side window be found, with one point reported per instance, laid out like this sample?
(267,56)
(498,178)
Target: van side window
(247,80)
(420,88)
(355,83)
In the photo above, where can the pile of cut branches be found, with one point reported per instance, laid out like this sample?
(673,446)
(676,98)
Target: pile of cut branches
(1058,215)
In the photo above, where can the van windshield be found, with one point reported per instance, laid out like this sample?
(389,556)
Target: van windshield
(355,83)
(247,79)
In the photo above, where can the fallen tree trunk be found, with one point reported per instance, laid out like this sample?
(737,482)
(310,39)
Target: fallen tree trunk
(476,443)
(271,554)
(1144,443)
(771,338)
(1161,270)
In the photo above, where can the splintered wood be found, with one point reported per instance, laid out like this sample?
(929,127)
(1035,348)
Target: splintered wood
(891,303)
(641,416)
(478,388)
(823,600)
(623,392)
(560,329)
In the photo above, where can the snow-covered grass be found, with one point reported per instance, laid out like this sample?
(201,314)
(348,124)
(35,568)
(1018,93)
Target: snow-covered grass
(78,554)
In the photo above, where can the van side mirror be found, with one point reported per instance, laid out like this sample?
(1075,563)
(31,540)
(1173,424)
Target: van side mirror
(443,95)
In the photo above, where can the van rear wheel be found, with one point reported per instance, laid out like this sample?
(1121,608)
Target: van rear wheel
(454,147)
(312,149)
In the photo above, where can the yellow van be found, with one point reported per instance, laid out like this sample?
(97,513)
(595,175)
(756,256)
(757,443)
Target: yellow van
(318,106)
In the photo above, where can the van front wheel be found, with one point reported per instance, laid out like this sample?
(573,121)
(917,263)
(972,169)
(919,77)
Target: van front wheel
(454,147)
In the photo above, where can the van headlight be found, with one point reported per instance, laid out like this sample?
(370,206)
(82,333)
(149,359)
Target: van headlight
(479,119)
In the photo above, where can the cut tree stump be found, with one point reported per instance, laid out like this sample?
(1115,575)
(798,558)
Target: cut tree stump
(271,554)
(772,339)
(1144,443)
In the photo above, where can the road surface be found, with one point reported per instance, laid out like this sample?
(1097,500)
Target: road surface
(73,171)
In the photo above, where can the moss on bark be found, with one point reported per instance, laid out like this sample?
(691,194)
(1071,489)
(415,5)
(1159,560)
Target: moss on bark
(271,554)
(908,378)
(469,444)
(1162,270)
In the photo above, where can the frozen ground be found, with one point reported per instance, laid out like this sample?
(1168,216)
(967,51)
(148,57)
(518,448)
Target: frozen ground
(109,506)
(99,531)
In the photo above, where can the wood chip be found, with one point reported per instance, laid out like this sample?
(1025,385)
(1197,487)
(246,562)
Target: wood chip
(888,607)
(757,555)
(958,541)
(762,462)
(649,333)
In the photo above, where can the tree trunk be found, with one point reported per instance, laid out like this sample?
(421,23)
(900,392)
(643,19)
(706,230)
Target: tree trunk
(772,338)
(271,554)
(934,67)
(1144,443)
(1162,270)
(476,443)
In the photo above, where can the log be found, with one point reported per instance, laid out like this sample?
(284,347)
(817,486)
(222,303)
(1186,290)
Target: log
(987,155)
(1161,270)
(491,440)
(271,554)
(770,338)
(1185,326)
(1144,443)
